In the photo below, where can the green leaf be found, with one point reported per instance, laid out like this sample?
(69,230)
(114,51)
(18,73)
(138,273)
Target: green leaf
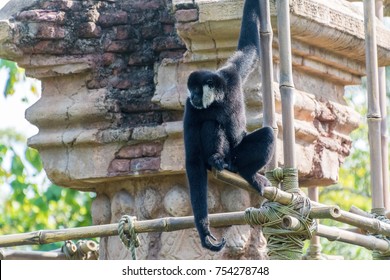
(53,193)
(15,74)
(34,159)
(17,166)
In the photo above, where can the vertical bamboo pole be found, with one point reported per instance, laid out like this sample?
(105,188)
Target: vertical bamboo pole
(315,244)
(286,83)
(267,74)
(373,116)
(383,108)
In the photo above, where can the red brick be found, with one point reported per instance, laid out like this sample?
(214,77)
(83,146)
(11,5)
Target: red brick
(151,149)
(114,18)
(50,31)
(141,5)
(62,5)
(119,165)
(186,15)
(146,163)
(134,151)
(124,32)
(41,16)
(50,47)
(108,59)
(118,46)
(89,30)
(167,43)
(168,29)
(124,84)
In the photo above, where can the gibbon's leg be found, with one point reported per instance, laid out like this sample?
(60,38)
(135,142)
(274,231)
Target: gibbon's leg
(253,153)
(214,145)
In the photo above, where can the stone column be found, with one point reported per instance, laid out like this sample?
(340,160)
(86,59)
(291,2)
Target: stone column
(114,84)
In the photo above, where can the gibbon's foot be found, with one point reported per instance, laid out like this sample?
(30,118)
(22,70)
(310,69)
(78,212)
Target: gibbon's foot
(206,243)
(217,161)
(259,182)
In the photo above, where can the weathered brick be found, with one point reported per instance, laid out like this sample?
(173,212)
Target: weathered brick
(142,5)
(113,18)
(41,16)
(62,5)
(119,165)
(108,58)
(119,46)
(172,54)
(133,151)
(151,31)
(50,31)
(124,83)
(186,15)
(123,32)
(49,47)
(146,163)
(168,29)
(151,149)
(89,30)
(167,43)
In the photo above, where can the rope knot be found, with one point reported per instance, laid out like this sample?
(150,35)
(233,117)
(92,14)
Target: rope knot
(130,238)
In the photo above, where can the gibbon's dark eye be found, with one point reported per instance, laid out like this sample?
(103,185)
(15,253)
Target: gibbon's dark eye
(210,83)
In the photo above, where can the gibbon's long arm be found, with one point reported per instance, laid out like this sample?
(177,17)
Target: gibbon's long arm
(197,177)
(248,49)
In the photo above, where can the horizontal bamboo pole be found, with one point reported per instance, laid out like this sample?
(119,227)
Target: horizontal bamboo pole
(274,194)
(360,212)
(270,193)
(369,242)
(156,225)
(325,212)
(179,223)
(336,234)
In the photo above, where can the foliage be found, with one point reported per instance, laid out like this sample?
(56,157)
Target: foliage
(354,178)
(15,74)
(28,200)
(33,202)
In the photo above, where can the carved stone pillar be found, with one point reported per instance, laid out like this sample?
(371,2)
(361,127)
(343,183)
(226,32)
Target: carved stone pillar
(114,83)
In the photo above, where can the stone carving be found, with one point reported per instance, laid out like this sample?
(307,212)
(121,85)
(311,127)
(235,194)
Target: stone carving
(148,203)
(177,202)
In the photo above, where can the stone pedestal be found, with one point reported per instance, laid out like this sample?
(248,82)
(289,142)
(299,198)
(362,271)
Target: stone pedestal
(114,83)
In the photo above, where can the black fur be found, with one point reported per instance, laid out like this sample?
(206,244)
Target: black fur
(215,125)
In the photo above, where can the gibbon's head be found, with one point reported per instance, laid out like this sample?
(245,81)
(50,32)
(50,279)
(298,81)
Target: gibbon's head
(204,87)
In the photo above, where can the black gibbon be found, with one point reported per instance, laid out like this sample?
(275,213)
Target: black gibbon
(215,133)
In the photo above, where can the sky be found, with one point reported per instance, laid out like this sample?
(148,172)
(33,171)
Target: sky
(11,108)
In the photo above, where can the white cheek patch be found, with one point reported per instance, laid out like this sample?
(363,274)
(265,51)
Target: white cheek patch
(208,96)
(188,93)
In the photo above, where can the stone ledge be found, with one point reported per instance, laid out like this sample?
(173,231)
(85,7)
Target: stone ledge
(336,24)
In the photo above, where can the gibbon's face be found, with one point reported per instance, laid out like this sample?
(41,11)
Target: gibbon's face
(204,87)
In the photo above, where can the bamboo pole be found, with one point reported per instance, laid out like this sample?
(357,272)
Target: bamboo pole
(383,109)
(314,251)
(286,83)
(156,225)
(274,194)
(373,116)
(267,81)
(336,234)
